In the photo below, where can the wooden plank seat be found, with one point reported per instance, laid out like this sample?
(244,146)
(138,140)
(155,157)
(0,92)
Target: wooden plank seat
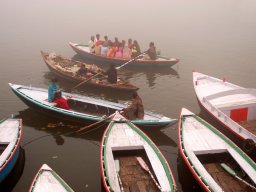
(249,125)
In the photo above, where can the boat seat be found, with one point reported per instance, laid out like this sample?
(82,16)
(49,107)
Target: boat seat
(49,103)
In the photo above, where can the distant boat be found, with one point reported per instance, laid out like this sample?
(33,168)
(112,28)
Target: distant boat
(129,160)
(232,105)
(84,109)
(10,136)
(67,68)
(207,152)
(161,61)
(46,180)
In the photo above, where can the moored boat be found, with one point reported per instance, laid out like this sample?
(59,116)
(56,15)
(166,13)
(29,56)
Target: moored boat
(231,105)
(130,161)
(161,61)
(46,180)
(10,137)
(67,68)
(84,108)
(214,160)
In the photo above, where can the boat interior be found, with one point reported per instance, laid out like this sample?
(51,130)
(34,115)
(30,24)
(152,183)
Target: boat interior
(133,177)
(212,163)
(3,146)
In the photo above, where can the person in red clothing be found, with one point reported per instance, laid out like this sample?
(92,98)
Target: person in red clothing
(61,101)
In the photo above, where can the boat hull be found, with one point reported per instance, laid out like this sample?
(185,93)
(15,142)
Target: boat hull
(117,62)
(8,168)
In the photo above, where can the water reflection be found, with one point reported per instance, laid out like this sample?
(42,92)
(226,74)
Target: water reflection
(12,179)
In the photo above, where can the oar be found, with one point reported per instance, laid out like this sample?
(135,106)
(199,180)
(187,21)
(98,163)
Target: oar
(131,60)
(233,173)
(145,167)
(98,122)
(117,166)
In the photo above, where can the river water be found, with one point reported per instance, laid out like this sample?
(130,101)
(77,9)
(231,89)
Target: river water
(212,37)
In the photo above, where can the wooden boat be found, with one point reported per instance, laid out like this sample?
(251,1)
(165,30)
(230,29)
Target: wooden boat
(10,136)
(162,61)
(67,68)
(46,180)
(125,152)
(206,152)
(231,105)
(84,109)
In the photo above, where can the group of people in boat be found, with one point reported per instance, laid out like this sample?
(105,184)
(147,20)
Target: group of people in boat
(120,49)
(135,109)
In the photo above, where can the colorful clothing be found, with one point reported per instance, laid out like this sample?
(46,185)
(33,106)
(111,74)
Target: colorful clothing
(127,52)
(52,88)
(91,46)
(62,103)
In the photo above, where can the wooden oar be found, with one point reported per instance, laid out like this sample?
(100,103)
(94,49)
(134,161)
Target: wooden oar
(233,173)
(146,168)
(130,60)
(98,122)
(117,166)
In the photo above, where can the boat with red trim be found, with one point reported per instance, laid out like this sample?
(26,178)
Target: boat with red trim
(213,159)
(130,161)
(161,61)
(233,106)
(10,137)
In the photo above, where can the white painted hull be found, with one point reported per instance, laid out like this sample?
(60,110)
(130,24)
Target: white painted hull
(221,99)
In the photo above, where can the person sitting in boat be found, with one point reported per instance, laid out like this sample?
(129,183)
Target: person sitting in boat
(130,44)
(151,52)
(126,51)
(119,51)
(135,49)
(61,101)
(98,44)
(104,47)
(116,42)
(82,71)
(52,89)
(112,74)
(111,50)
(135,109)
(92,44)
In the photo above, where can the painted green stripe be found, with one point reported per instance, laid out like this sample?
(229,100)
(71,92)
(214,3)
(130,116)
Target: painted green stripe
(156,150)
(228,141)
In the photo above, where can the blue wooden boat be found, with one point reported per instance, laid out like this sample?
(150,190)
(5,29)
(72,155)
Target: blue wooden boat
(161,61)
(10,136)
(84,108)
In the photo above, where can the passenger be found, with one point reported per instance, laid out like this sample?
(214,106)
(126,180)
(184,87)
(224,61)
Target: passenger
(126,51)
(130,44)
(119,51)
(151,52)
(82,71)
(98,44)
(116,42)
(135,49)
(52,89)
(112,74)
(135,109)
(104,47)
(111,50)
(61,101)
(92,44)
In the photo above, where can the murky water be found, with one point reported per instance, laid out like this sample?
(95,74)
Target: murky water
(212,37)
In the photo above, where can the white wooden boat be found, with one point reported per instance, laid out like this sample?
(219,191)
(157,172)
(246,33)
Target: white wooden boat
(204,149)
(84,109)
(121,145)
(46,180)
(231,105)
(161,61)
(10,136)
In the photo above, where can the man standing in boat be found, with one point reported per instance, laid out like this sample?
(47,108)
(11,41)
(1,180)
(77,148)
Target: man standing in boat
(92,44)
(135,109)
(112,74)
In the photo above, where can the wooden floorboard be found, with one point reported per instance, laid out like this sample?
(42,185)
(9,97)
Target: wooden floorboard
(249,125)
